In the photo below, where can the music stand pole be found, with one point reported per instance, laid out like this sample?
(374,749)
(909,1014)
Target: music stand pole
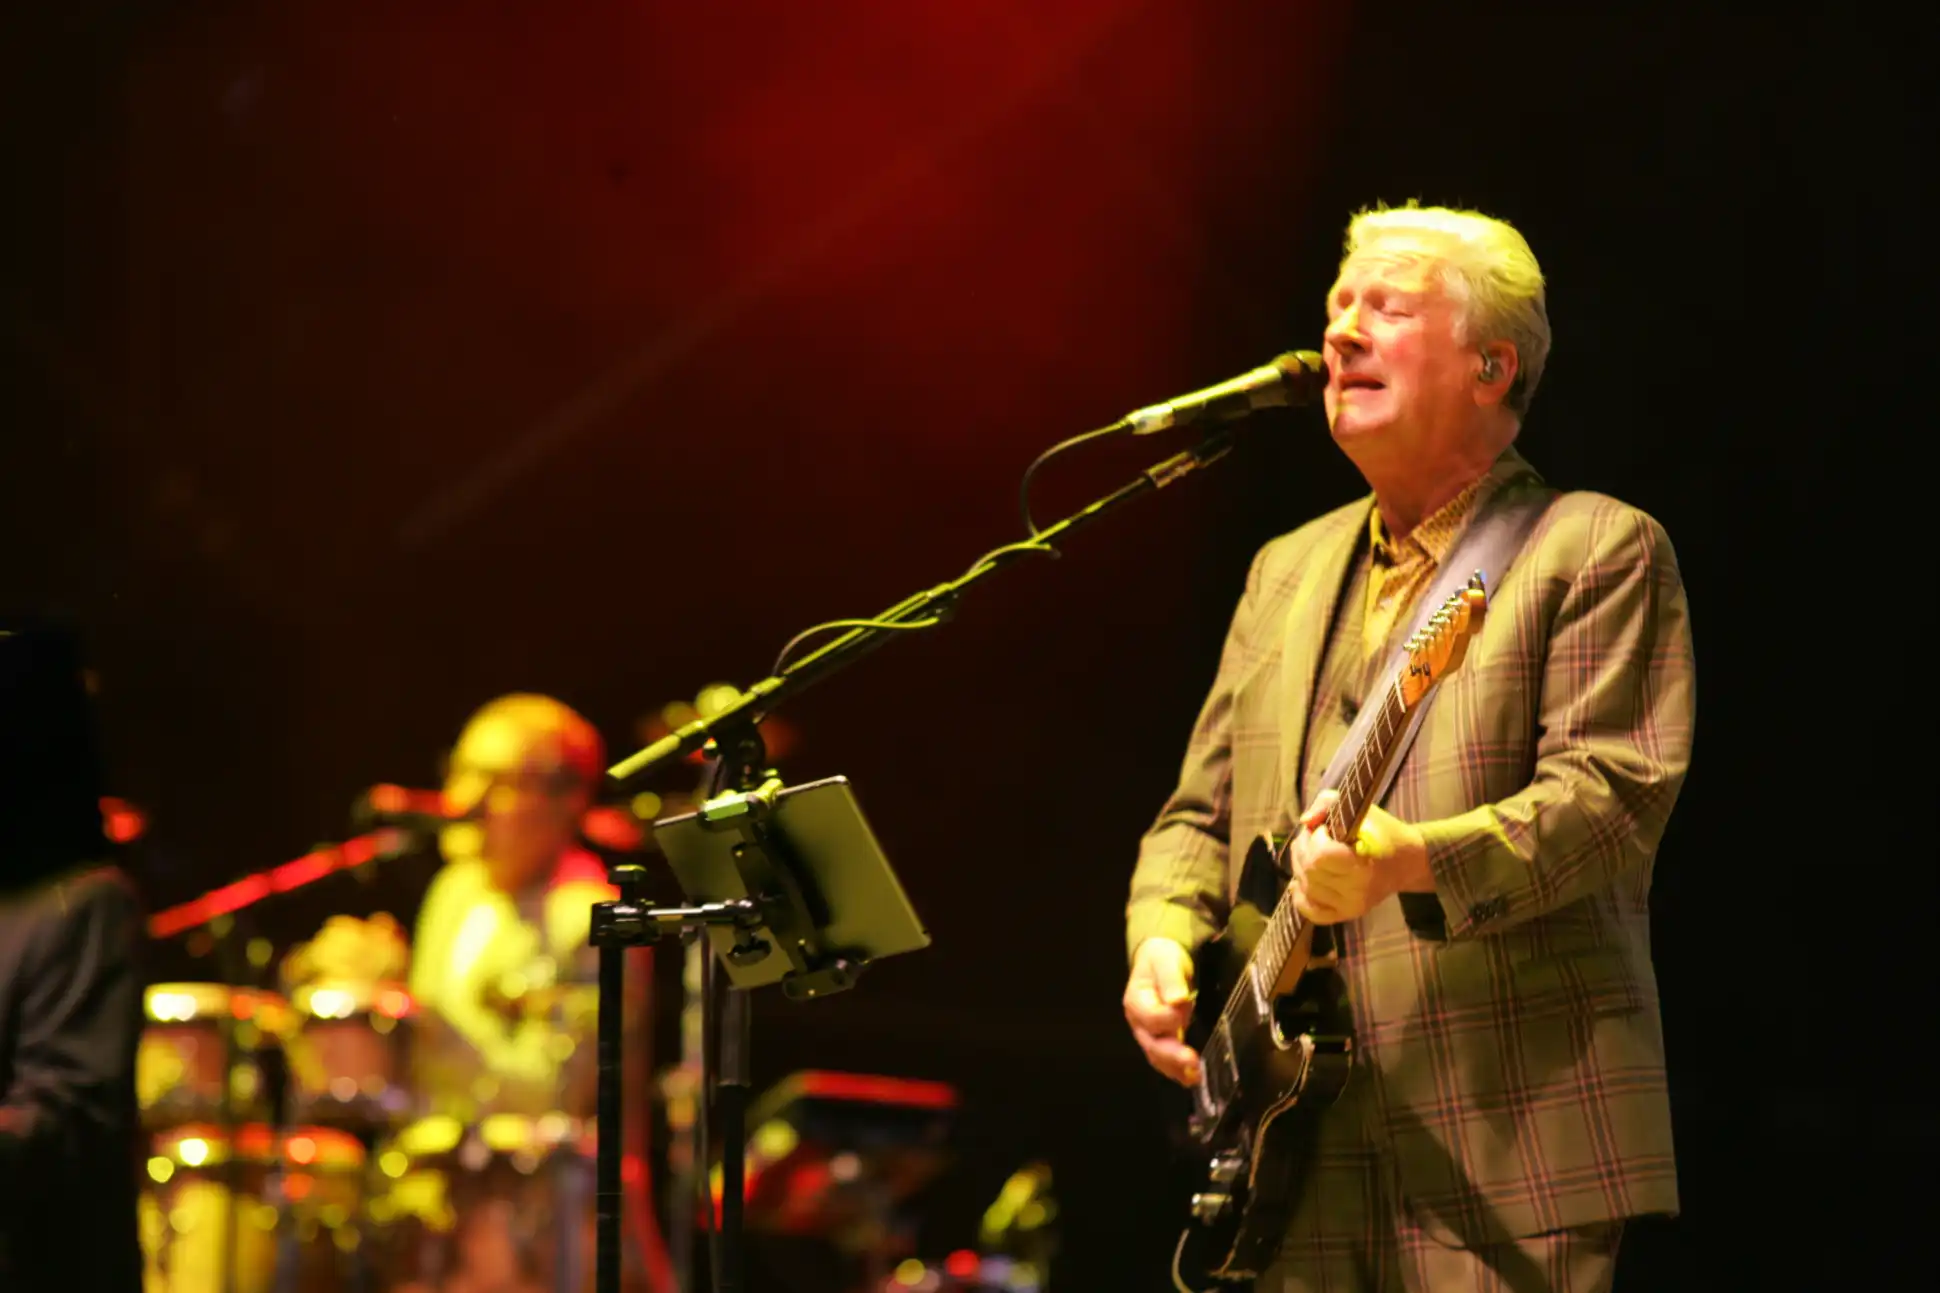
(607,1194)
(631,921)
(731,1102)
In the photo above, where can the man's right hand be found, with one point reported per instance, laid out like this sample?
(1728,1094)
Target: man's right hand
(1158,1006)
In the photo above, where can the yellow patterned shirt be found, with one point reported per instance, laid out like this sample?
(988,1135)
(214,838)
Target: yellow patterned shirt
(1387,581)
(1399,570)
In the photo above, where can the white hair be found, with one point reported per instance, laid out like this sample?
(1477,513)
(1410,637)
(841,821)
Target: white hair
(1486,265)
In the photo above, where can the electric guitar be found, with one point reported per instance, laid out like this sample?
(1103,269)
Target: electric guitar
(1274,1043)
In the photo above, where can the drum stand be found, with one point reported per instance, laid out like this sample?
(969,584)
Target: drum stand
(224,935)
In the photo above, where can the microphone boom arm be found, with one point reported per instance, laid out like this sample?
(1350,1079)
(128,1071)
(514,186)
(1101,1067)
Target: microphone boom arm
(738,719)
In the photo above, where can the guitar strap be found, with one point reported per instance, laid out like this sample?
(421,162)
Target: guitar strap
(1489,545)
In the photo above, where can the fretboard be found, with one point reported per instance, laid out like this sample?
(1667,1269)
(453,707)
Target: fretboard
(1356,790)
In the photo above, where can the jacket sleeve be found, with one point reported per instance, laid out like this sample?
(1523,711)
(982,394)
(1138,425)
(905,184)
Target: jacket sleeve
(1613,743)
(1178,888)
(79,1024)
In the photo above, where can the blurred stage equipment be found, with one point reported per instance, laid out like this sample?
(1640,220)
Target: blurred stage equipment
(1016,1243)
(265,1113)
(1019,1232)
(837,1156)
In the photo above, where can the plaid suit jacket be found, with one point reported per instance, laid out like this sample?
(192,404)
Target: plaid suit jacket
(1513,1047)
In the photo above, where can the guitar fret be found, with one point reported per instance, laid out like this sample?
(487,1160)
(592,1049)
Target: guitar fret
(1355,790)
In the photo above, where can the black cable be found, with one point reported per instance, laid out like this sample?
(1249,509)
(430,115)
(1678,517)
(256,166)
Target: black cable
(1032,544)
(1024,486)
(781,658)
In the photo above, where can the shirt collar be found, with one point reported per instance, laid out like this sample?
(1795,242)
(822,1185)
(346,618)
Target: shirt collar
(1435,537)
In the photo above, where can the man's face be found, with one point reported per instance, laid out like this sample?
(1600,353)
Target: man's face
(529,799)
(1400,377)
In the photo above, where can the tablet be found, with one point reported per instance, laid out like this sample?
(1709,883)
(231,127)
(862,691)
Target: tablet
(868,916)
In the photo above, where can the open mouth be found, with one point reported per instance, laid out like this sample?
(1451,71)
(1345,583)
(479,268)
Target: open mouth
(1357,382)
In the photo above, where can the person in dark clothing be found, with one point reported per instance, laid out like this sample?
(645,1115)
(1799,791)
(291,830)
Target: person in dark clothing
(70,988)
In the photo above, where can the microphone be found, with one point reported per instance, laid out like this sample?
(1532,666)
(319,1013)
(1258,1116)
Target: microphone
(406,812)
(1294,378)
(411,810)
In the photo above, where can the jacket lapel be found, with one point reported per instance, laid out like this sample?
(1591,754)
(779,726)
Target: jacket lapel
(1309,616)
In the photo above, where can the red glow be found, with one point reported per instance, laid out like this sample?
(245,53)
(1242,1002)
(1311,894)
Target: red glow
(963,1264)
(390,799)
(803,1196)
(240,894)
(122,821)
(879,1090)
(291,875)
(254,888)
(612,828)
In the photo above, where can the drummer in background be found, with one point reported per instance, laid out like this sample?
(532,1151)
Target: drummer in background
(509,913)
(501,939)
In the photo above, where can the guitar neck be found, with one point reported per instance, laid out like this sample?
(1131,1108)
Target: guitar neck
(1432,653)
(1356,788)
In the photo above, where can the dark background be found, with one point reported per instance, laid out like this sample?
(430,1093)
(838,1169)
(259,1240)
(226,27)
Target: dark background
(363,361)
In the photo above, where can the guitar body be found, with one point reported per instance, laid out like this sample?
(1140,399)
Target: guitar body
(1271,1058)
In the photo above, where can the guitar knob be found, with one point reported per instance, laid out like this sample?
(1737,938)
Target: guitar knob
(1210,1206)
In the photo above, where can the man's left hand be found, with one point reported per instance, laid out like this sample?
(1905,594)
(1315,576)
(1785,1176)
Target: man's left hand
(1334,882)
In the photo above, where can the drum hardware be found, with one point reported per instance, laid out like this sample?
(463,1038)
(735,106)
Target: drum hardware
(209,1053)
(349,1056)
(255,1209)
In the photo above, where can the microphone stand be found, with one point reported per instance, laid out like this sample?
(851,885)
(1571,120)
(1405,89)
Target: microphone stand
(632,921)
(934,605)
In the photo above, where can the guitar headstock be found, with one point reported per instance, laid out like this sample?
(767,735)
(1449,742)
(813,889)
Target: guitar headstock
(1438,649)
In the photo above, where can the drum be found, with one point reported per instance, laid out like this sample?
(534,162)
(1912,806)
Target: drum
(349,1056)
(506,1202)
(275,1211)
(202,1039)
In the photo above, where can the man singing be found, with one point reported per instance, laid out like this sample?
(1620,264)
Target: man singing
(1507,1110)
(70,988)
